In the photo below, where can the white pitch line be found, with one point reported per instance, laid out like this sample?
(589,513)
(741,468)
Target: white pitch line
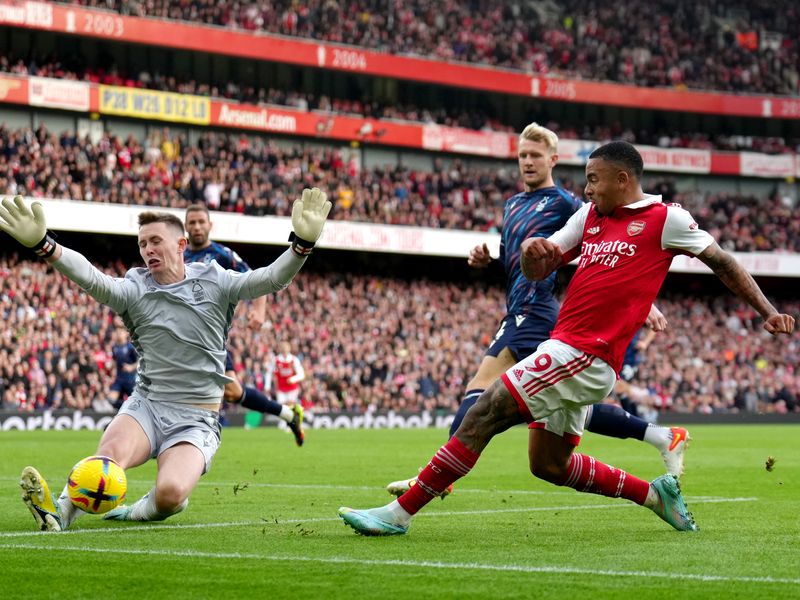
(272,521)
(421,564)
(317,486)
(368,488)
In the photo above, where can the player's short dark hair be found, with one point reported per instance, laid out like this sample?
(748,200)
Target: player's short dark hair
(146,218)
(623,154)
(198,208)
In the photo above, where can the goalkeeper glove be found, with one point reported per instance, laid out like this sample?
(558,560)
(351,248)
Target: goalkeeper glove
(27,226)
(308,216)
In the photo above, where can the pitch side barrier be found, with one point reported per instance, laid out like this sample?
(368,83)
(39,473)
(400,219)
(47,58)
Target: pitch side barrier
(76,420)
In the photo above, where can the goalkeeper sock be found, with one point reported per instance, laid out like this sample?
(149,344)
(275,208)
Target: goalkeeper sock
(67,511)
(144,509)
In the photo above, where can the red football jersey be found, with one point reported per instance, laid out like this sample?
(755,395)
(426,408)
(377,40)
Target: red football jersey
(287,366)
(623,260)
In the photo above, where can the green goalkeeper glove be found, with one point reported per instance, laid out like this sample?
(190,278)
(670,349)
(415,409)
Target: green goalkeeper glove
(27,225)
(308,216)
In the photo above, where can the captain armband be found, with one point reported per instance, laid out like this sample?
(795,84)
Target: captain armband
(46,247)
(301,248)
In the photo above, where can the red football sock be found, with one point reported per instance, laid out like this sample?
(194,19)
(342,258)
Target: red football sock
(451,462)
(586,474)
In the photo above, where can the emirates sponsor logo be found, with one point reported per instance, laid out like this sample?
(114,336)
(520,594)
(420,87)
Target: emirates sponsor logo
(605,252)
(636,227)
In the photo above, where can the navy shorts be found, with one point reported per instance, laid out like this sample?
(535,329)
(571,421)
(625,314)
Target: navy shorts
(123,386)
(520,334)
(228,361)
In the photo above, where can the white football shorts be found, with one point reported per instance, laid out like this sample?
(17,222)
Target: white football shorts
(554,385)
(287,397)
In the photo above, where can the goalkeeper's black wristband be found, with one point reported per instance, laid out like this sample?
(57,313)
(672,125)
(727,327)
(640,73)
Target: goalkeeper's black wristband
(46,247)
(300,247)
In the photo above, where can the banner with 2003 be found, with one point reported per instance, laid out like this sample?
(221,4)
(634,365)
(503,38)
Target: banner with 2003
(81,21)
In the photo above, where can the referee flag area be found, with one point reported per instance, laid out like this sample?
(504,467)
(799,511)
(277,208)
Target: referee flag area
(262,523)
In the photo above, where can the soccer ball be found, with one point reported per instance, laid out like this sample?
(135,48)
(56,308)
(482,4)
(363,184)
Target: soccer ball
(97,484)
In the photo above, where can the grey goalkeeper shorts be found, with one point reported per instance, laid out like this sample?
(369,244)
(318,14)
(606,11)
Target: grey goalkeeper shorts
(169,423)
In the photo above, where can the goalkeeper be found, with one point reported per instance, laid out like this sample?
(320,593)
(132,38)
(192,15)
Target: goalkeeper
(172,310)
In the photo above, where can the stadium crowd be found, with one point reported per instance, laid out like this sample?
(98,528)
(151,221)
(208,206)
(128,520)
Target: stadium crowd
(74,68)
(375,342)
(247,175)
(731,46)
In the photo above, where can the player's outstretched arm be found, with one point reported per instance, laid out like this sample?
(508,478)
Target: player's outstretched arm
(308,217)
(539,257)
(741,283)
(28,227)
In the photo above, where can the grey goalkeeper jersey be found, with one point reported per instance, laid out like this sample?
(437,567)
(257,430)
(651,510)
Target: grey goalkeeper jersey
(179,330)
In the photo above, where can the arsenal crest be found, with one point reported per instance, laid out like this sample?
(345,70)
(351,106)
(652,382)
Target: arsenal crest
(635,228)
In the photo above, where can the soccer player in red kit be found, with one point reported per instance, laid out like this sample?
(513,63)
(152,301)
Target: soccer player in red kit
(288,373)
(625,241)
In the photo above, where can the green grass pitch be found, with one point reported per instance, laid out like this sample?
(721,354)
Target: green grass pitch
(263,524)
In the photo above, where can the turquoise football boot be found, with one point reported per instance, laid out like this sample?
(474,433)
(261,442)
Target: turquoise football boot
(366,522)
(671,506)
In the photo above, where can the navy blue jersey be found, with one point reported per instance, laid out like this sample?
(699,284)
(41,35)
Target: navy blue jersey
(225,257)
(632,355)
(533,214)
(124,354)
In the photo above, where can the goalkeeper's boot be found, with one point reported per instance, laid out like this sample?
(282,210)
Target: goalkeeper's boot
(398,488)
(296,425)
(671,506)
(37,497)
(368,522)
(673,448)
(121,513)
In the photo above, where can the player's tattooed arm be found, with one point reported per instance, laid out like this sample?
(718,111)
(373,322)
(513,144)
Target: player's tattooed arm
(741,283)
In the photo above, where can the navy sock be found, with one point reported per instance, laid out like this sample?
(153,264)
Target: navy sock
(255,400)
(469,399)
(611,420)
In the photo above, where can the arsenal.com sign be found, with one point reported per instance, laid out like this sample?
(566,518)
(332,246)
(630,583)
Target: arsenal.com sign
(259,119)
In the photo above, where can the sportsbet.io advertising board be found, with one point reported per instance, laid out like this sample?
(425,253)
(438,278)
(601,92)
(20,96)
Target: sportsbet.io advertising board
(75,420)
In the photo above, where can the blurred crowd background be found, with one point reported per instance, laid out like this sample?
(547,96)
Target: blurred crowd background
(377,342)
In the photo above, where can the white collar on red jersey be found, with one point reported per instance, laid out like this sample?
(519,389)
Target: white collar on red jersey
(646,201)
